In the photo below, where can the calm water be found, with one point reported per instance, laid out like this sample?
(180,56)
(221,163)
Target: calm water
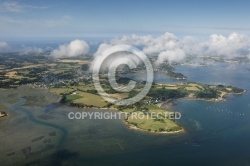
(220,132)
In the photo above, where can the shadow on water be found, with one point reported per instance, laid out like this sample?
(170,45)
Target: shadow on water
(56,159)
(18,106)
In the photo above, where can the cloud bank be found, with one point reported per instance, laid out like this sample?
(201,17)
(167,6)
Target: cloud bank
(72,49)
(233,45)
(168,47)
(119,58)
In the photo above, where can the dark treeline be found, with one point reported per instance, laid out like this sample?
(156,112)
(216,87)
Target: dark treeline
(166,93)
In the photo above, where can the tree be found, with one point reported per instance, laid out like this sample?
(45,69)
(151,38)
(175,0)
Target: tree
(63,100)
(85,67)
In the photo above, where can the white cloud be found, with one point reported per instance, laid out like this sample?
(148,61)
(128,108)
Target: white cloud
(74,48)
(170,48)
(11,7)
(22,49)
(233,45)
(98,54)
(14,6)
(133,40)
(102,48)
(107,61)
(29,50)
(165,42)
(3,46)
(167,47)
(176,55)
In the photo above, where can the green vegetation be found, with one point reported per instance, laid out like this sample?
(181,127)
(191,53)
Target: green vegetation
(167,93)
(85,67)
(70,98)
(61,91)
(148,120)
(84,95)
(83,99)
(70,79)
(89,99)
(176,75)
(207,94)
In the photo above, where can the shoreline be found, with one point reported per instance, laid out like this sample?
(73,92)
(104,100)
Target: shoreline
(132,127)
(223,97)
(169,103)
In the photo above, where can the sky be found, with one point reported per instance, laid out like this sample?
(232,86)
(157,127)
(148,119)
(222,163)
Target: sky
(47,19)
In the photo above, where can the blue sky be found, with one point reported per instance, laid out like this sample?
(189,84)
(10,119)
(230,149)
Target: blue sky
(30,19)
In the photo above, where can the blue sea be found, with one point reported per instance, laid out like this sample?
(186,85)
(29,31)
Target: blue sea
(218,132)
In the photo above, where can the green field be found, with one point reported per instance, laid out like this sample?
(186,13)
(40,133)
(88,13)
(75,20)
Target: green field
(149,122)
(89,99)
(71,98)
(192,88)
(153,119)
(84,87)
(59,91)
(120,95)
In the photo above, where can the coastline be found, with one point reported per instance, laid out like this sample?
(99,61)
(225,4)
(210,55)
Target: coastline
(222,97)
(132,127)
(169,103)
